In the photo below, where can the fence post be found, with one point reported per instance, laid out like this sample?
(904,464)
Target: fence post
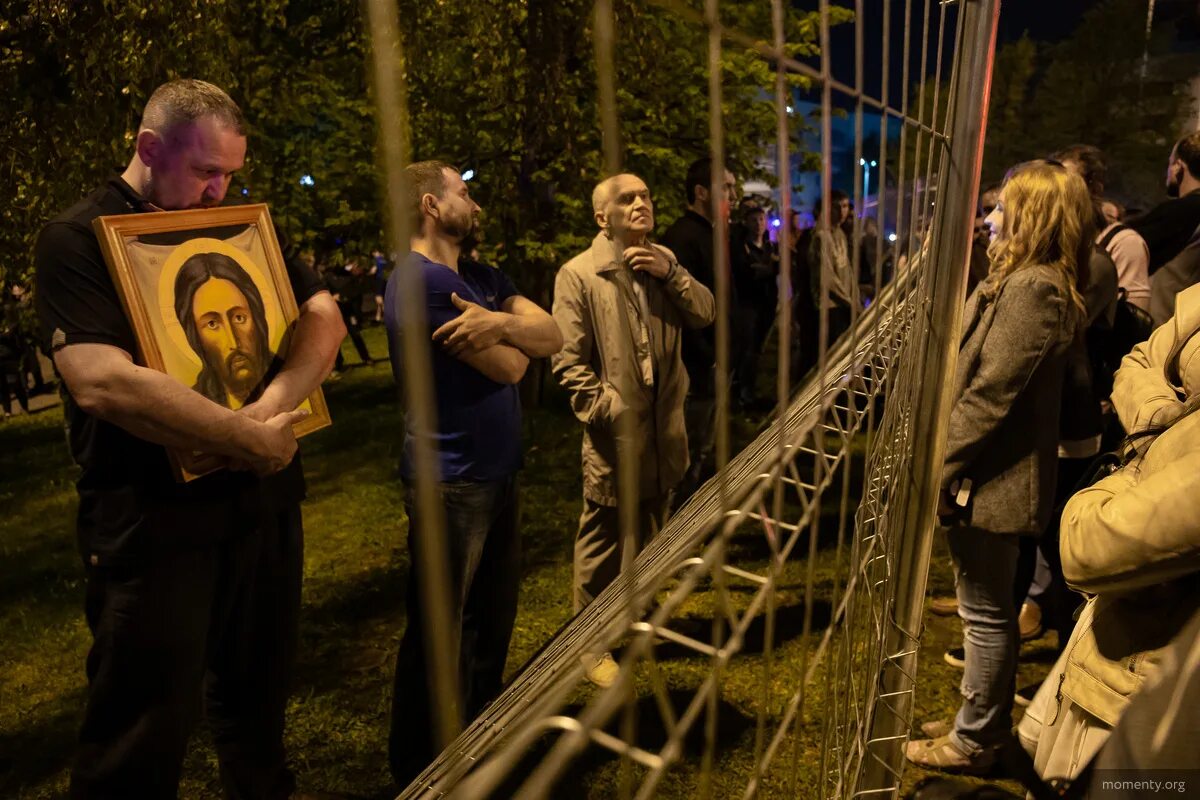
(934,355)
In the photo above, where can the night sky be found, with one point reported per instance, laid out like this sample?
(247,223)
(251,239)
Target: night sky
(1044,20)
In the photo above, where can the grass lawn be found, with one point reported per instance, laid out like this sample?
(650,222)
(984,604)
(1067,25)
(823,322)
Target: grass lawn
(355,571)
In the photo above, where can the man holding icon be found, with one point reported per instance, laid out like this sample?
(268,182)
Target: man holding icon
(193,590)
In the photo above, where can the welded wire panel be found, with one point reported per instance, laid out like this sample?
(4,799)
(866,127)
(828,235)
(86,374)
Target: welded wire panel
(766,635)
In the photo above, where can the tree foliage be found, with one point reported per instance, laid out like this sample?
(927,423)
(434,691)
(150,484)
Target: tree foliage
(507,88)
(1089,89)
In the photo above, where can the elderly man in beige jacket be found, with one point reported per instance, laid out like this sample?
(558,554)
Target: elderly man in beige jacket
(621,306)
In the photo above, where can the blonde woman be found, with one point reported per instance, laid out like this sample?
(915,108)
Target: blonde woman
(1001,456)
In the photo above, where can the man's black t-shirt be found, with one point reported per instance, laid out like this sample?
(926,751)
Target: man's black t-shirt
(130,506)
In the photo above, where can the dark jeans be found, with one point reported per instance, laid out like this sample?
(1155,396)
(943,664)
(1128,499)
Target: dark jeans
(485,573)
(13,370)
(700,419)
(806,319)
(806,333)
(214,625)
(839,318)
(353,329)
(758,323)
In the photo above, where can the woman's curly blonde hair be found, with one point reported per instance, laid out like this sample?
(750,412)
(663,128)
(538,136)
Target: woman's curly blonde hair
(1048,219)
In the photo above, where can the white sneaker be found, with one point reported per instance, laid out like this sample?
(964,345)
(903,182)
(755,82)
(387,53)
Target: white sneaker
(601,670)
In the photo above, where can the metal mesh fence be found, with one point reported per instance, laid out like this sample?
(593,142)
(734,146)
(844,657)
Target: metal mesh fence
(822,524)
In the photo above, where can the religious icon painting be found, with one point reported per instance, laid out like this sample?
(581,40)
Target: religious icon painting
(208,296)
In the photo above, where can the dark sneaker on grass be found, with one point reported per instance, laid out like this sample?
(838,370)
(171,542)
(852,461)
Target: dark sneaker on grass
(956,657)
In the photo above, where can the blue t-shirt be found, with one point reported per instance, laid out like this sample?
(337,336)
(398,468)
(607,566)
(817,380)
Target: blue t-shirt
(478,420)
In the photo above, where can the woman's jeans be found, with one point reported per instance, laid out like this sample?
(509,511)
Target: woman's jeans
(985,568)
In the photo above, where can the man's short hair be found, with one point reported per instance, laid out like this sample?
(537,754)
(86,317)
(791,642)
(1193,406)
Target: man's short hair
(1187,150)
(835,199)
(1093,166)
(699,173)
(424,177)
(187,100)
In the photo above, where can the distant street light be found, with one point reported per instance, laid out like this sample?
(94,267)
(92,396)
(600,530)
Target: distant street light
(466,176)
(307,180)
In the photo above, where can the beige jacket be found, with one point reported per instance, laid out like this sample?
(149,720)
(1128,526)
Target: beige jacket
(621,354)
(837,270)
(1147,390)
(1133,540)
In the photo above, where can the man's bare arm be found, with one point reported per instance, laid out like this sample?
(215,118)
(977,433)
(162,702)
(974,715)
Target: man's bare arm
(530,329)
(503,363)
(521,324)
(315,341)
(104,382)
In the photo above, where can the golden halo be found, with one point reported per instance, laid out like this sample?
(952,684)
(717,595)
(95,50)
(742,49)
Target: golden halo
(166,291)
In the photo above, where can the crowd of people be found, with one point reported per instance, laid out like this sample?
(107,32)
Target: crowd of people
(193,589)
(1069,473)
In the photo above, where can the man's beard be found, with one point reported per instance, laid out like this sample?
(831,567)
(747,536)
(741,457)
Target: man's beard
(245,364)
(460,229)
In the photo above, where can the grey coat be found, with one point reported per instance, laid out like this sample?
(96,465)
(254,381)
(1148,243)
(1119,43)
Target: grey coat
(1004,427)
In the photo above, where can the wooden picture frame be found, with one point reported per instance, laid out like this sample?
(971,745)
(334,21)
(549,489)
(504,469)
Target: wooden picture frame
(209,299)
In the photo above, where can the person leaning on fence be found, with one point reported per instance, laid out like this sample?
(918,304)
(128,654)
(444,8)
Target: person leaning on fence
(622,306)
(481,333)
(193,590)
(999,475)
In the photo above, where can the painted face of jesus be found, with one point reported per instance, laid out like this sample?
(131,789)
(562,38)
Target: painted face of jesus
(228,335)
